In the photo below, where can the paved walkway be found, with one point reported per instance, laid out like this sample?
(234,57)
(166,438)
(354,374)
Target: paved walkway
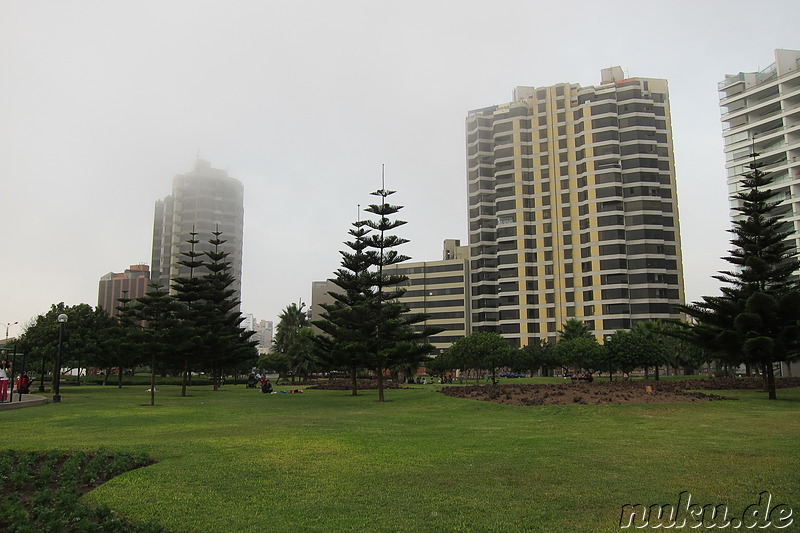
(28,400)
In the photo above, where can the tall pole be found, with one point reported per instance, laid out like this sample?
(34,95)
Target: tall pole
(8,325)
(62,318)
(41,376)
(19,389)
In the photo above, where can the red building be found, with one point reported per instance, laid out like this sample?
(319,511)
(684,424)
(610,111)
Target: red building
(129,284)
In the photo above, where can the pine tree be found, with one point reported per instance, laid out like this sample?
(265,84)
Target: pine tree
(367,325)
(345,321)
(394,339)
(225,343)
(756,317)
(156,313)
(189,291)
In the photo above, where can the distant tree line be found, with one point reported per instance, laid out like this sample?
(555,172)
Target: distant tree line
(195,329)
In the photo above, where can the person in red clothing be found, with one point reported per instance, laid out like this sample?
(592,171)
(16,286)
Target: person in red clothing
(23,384)
(5,373)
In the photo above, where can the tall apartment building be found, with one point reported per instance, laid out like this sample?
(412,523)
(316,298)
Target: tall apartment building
(761,114)
(439,289)
(263,335)
(573,208)
(205,199)
(115,285)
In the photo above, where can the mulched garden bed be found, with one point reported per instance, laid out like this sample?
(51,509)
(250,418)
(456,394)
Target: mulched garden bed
(603,392)
(574,393)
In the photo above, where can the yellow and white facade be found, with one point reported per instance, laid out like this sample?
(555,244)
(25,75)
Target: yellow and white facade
(573,209)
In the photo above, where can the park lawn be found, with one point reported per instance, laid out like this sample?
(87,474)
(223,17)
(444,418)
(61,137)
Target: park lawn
(238,460)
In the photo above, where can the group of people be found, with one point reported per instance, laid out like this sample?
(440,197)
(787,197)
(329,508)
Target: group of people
(265,384)
(23,381)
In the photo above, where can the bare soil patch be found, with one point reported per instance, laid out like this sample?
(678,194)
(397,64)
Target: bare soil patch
(618,392)
(596,393)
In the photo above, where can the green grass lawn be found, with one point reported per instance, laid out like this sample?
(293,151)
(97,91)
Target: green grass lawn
(238,460)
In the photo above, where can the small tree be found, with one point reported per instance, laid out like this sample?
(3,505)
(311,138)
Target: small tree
(482,350)
(537,355)
(574,329)
(580,353)
(155,311)
(291,322)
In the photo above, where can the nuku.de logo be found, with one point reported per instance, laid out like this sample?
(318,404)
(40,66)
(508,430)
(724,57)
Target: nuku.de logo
(686,514)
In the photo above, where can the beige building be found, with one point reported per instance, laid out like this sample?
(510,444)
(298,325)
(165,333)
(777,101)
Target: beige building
(573,208)
(439,289)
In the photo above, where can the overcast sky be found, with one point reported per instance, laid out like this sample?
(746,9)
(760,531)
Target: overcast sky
(102,103)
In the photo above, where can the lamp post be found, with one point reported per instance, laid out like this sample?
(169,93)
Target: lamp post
(62,319)
(608,351)
(41,376)
(8,325)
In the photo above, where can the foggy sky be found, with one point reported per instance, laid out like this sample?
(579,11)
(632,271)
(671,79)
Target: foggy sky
(102,103)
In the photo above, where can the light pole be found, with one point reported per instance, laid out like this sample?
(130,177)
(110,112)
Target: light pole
(41,376)
(62,319)
(8,325)
(608,351)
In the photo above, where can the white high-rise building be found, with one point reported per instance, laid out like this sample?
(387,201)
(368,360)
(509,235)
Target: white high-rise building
(206,200)
(761,114)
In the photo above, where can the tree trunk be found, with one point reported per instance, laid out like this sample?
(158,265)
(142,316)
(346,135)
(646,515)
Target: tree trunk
(380,383)
(153,380)
(770,381)
(105,376)
(119,378)
(185,377)
(354,380)
(655,370)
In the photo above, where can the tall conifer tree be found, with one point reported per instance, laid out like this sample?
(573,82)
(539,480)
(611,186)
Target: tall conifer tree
(367,320)
(756,317)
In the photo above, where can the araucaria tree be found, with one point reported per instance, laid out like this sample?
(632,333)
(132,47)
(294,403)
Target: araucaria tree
(755,320)
(345,321)
(394,339)
(367,325)
(225,343)
(196,328)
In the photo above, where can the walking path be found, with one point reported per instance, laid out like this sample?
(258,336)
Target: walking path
(28,400)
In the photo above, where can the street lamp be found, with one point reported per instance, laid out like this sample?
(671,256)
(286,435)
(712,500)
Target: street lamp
(8,325)
(62,319)
(608,351)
